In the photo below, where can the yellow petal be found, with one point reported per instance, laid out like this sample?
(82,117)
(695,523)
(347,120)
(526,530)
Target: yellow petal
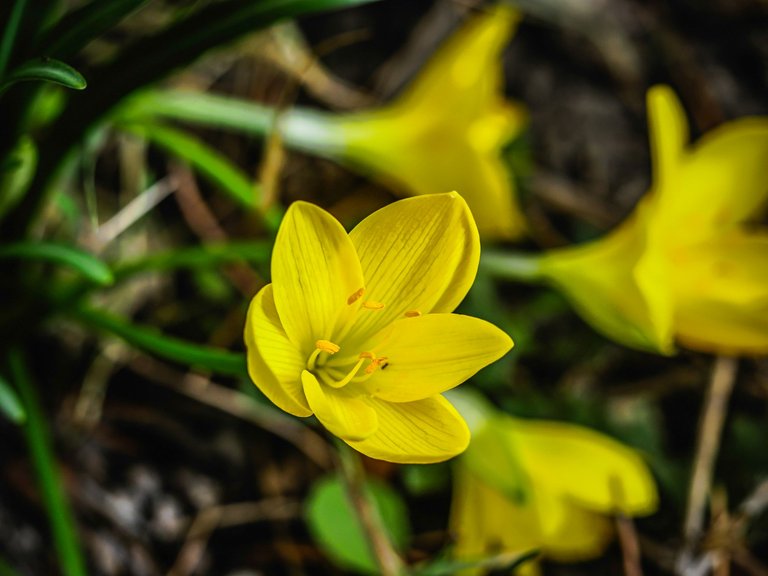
(314,271)
(347,417)
(433,353)
(722,288)
(420,432)
(274,363)
(668,129)
(416,254)
(590,469)
(716,183)
(485,522)
(569,532)
(619,285)
(447,130)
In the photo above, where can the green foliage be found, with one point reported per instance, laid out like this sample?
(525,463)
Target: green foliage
(335,527)
(10,405)
(89,266)
(45,70)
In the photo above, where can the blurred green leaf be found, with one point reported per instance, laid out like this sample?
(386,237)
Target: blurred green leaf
(10,404)
(80,26)
(335,527)
(501,563)
(423,479)
(155,342)
(210,164)
(197,257)
(45,70)
(16,172)
(86,264)
(8,36)
(200,108)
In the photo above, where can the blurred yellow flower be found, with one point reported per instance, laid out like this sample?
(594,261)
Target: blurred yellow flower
(445,132)
(538,485)
(689,264)
(356,329)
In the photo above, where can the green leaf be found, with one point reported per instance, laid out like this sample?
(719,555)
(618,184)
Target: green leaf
(197,257)
(168,347)
(16,172)
(212,166)
(501,563)
(10,404)
(83,262)
(82,25)
(8,37)
(335,527)
(45,70)
(204,109)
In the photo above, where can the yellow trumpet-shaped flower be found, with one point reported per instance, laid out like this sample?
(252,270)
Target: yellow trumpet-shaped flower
(356,329)
(445,132)
(689,264)
(539,485)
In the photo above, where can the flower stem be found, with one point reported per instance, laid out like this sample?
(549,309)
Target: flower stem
(38,440)
(512,265)
(711,426)
(353,475)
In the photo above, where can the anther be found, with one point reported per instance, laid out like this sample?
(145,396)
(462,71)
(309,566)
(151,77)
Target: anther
(373,305)
(355,296)
(412,314)
(327,346)
(367,355)
(376,363)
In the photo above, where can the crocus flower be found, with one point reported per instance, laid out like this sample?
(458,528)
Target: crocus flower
(689,264)
(356,329)
(444,132)
(542,485)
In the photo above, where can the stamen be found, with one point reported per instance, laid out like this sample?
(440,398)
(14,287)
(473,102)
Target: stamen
(321,346)
(327,346)
(376,363)
(356,296)
(348,378)
(412,314)
(373,305)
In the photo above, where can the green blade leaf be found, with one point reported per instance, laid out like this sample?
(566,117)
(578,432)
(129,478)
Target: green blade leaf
(45,70)
(335,527)
(10,405)
(168,347)
(82,25)
(211,165)
(16,172)
(83,262)
(197,257)
(203,109)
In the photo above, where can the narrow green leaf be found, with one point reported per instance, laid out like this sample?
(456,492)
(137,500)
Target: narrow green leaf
(45,70)
(83,262)
(63,527)
(212,166)
(9,34)
(10,404)
(155,342)
(335,527)
(16,172)
(197,257)
(82,25)
(203,109)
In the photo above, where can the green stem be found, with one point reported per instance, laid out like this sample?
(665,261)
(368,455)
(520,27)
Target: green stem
(353,475)
(512,266)
(9,34)
(38,440)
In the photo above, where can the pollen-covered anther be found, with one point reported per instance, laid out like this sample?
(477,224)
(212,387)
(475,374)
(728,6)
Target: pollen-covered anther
(372,305)
(376,363)
(367,355)
(412,314)
(355,296)
(327,346)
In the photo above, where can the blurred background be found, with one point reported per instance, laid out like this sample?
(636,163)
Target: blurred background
(171,460)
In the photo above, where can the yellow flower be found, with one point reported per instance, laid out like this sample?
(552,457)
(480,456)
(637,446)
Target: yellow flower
(688,264)
(537,485)
(356,329)
(445,132)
